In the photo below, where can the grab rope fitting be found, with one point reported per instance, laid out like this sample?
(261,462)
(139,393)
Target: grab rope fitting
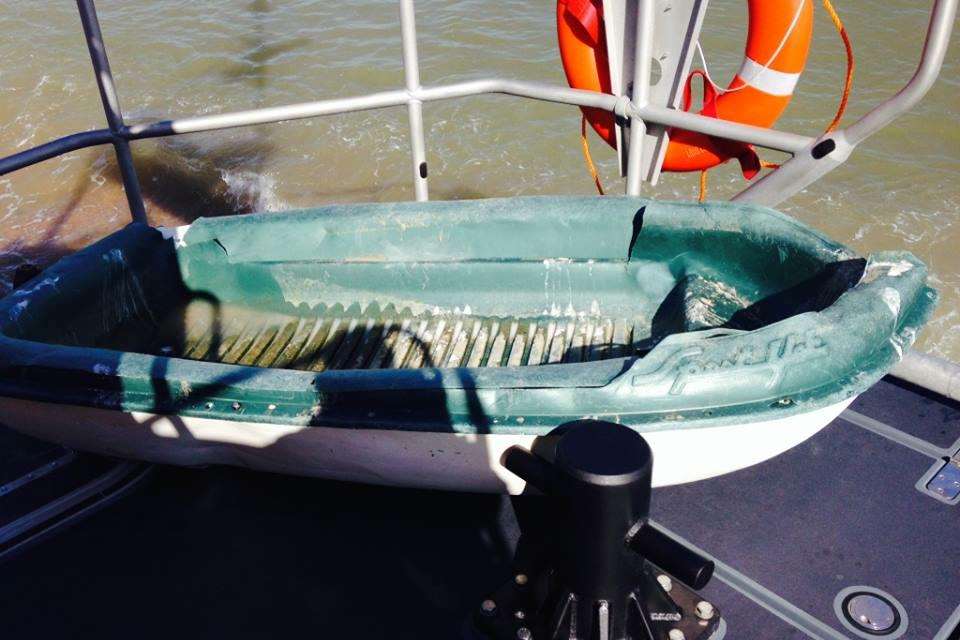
(772,88)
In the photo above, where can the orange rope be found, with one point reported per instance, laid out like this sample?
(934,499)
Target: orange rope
(844,96)
(851,65)
(586,155)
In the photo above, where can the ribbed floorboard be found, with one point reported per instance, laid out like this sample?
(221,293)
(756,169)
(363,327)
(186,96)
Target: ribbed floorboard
(392,341)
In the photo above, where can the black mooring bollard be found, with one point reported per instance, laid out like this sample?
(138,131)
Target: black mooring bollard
(586,570)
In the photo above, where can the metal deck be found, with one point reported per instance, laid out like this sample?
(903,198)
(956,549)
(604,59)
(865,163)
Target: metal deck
(224,552)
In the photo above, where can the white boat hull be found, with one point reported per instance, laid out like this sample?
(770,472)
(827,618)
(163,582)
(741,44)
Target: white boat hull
(452,461)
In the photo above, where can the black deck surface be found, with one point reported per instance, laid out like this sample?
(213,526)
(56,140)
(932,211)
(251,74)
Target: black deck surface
(230,553)
(839,510)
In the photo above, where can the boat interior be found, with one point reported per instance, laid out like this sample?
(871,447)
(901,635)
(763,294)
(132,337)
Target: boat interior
(375,305)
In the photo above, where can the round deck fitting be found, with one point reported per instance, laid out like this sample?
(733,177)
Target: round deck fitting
(588,563)
(870,613)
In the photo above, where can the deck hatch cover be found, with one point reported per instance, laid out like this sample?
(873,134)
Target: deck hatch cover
(946,482)
(869,612)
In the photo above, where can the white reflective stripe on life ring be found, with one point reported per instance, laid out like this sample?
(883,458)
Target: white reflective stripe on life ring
(770,81)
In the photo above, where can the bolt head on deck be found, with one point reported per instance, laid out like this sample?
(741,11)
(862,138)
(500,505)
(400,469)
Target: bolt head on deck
(665,582)
(704,610)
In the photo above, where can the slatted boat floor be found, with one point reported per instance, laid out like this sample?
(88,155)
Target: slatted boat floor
(371,338)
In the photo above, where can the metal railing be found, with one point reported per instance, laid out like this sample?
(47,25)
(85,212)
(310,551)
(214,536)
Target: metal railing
(812,157)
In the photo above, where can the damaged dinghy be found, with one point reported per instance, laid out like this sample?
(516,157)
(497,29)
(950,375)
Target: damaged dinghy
(411,344)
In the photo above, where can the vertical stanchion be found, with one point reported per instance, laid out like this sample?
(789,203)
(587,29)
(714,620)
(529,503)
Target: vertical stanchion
(111,107)
(411,72)
(643,50)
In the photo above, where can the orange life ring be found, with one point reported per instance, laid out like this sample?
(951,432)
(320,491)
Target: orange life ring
(778,41)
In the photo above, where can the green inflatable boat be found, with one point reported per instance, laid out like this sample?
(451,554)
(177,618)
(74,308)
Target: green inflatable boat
(411,344)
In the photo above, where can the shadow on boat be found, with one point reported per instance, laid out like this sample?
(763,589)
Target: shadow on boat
(416,545)
(161,431)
